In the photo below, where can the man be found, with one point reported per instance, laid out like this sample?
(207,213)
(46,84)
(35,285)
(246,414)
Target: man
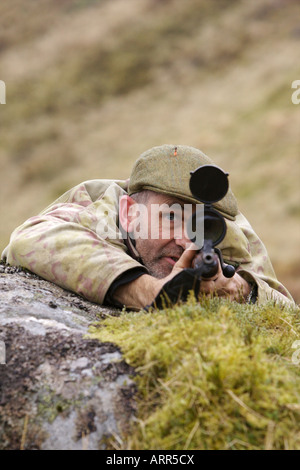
(78,242)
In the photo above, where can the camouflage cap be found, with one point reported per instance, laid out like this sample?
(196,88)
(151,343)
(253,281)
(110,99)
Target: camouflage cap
(166,169)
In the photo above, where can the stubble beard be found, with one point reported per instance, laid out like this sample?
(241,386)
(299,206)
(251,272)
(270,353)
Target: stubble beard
(156,267)
(156,270)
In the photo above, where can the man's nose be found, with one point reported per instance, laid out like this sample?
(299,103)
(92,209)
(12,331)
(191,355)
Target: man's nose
(182,241)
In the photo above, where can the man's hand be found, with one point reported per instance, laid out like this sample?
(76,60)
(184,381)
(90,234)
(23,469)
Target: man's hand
(234,288)
(143,290)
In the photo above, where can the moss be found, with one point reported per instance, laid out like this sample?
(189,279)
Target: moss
(50,405)
(215,375)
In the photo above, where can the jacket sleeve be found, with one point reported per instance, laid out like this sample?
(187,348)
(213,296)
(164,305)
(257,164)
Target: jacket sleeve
(75,243)
(255,265)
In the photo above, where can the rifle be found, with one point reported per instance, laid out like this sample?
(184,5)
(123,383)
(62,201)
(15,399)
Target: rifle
(208,184)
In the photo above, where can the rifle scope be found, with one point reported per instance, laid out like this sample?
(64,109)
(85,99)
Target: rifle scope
(208,184)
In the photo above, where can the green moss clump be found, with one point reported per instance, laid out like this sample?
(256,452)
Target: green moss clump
(50,405)
(214,375)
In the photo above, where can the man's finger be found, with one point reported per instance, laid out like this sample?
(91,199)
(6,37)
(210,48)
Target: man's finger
(207,286)
(186,259)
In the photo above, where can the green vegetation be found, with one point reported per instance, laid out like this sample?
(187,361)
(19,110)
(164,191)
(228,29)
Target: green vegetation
(50,405)
(215,375)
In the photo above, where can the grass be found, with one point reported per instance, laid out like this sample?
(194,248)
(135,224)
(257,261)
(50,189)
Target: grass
(214,375)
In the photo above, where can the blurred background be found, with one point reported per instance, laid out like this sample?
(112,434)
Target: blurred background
(91,84)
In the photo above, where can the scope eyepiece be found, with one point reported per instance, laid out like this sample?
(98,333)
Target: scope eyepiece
(206,225)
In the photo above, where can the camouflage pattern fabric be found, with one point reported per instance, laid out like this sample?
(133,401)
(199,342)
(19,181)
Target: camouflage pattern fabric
(73,244)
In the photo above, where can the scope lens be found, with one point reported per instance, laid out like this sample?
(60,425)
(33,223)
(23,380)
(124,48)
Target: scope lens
(206,225)
(214,227)
(209,183)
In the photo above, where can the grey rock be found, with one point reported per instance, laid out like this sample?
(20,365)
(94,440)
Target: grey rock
(59,389)
(80,363)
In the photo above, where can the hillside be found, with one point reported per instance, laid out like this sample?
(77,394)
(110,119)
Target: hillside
(92,84)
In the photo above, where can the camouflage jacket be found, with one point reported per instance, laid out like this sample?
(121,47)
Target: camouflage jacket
(73,243)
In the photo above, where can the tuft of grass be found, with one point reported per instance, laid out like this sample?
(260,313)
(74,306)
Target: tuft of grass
(211,375)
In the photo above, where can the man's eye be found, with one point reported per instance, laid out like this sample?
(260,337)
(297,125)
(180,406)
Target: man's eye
(171,216)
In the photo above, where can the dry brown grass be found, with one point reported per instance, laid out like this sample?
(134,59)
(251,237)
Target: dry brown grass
(92,84)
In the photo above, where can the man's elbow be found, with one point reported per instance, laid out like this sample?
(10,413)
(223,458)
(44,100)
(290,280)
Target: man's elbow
(19,249)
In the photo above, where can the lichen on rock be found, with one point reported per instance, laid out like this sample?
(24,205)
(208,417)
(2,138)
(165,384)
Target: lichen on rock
(58,388)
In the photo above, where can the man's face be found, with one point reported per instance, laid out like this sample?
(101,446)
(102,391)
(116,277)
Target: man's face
(163,237)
